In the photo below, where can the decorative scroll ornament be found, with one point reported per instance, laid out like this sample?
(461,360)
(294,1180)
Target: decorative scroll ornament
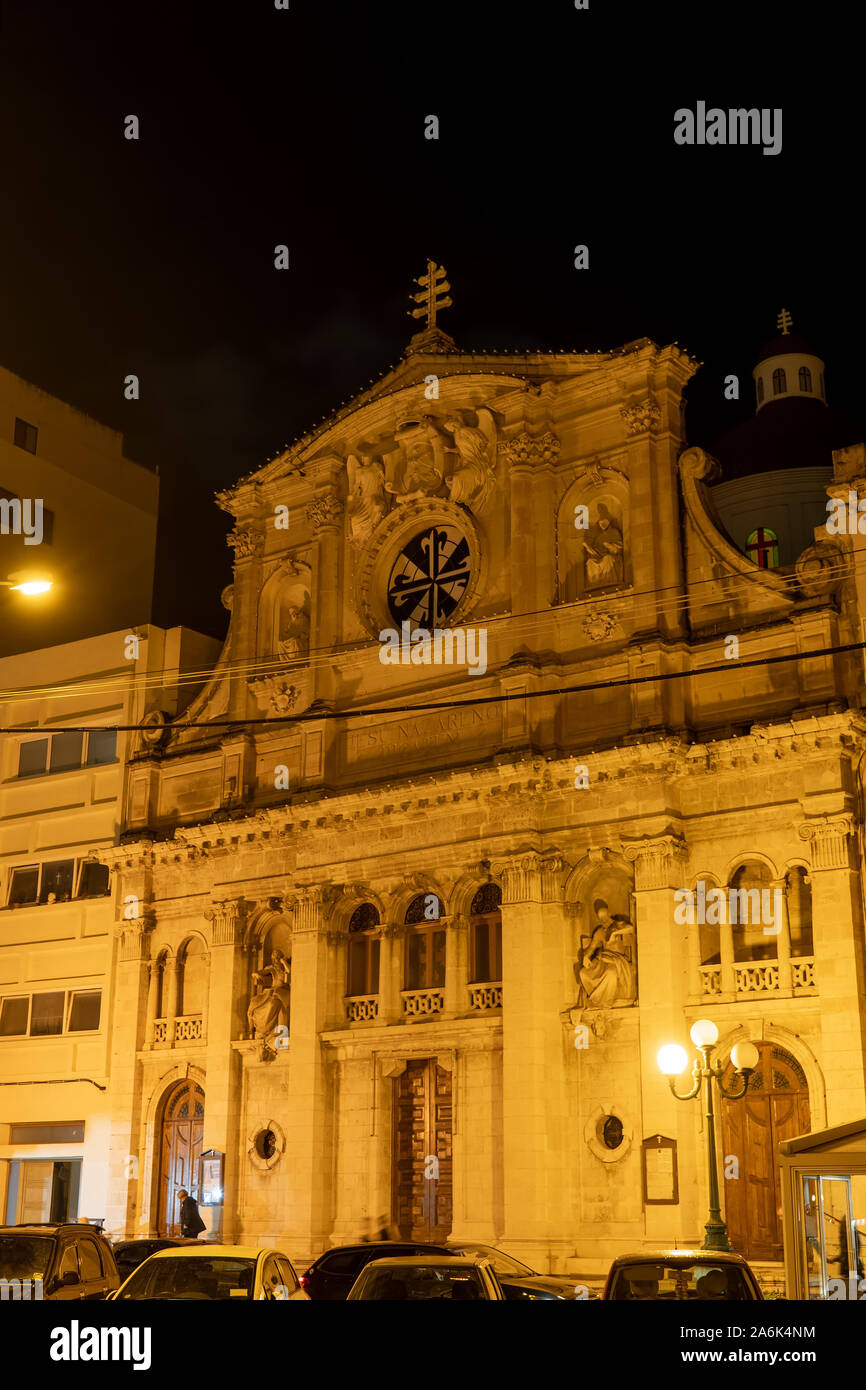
(325,510)
(599,626)
(828,837)
(246,543)
(524,449)
(640,417)
(274,694)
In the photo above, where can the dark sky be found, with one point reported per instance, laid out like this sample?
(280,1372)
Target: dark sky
(306,127)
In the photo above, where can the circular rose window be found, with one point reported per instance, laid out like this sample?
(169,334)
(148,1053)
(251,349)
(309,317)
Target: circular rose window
(429,577)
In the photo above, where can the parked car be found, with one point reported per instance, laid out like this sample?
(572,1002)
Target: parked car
(129,1254)
(332,1275)
(455,1277)
(214,1272)
(517,1280)
(702,1275)
(61,1260)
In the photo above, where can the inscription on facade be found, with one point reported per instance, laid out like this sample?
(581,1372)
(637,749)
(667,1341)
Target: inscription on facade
(443,728)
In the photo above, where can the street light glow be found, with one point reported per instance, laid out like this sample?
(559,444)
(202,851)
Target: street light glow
(745,1056)
(32,586)
(672,1059)
(704,1033)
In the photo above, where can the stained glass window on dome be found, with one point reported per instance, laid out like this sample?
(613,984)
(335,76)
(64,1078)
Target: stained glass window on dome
(762,548)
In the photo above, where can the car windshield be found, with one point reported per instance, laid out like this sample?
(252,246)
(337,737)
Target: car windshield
(391,1282)
(24,1257)
(701,1280)
(210,1277)
(502,1263)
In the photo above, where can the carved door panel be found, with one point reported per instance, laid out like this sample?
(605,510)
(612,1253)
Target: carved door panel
(422,1167)
(775,1107)
(180,1152)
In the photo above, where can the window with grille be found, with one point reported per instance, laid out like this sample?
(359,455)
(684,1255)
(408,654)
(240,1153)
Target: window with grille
(780,382)
(485,922)
(363,962)
(762,548)
(425,943)
(805,379)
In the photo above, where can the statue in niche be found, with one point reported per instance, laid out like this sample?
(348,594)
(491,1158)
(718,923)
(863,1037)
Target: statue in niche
(423,465)
(367,502)
(603,552)
(269,1005)
(473,480)
(605,970)
(294,639)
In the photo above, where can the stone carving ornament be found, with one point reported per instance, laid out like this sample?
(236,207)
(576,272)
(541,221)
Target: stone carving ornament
(271,998)
(246,543)
(473,480)
(640,417)
(368,501)
(423,465)
(605,969)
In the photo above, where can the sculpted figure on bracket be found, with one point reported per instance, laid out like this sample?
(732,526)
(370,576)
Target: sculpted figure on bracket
(368,501)
(473,480)
(294,637)
(269,1005)
(603,552)
(605,969)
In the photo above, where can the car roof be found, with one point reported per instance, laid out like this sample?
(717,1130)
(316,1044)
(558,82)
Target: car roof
(49,1228)
(191,1252)
(449,1261)
(704,1257)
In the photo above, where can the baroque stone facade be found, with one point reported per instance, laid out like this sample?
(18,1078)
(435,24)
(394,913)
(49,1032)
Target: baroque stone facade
(413,929)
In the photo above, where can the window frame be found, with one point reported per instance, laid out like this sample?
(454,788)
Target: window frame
(780,381)
(85,763)
(65,1030)
(491,923)
(75,895)
(25,431)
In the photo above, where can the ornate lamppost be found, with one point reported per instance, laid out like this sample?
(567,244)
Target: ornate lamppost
(673,1060)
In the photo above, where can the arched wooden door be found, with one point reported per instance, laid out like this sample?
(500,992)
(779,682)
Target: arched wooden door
(775,1107)
(180,1151)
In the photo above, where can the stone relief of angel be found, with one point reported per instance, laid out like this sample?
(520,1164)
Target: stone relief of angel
(367,502)
(473,479)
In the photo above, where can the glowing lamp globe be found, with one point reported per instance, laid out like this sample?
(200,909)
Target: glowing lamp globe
(704,1033)
(672,1059)
(745,1056)
(33,586)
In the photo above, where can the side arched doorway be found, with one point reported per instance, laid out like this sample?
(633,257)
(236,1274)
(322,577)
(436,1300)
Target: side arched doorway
(775,1107)
(180,1139)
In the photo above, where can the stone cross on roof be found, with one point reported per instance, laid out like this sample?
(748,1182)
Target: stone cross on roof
(433,285)
(784,322)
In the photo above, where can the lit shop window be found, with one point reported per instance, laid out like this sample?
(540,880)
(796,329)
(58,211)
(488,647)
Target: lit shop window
(762,548)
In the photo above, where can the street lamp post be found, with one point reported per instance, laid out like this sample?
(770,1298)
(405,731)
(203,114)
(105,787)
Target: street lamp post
(673,1061)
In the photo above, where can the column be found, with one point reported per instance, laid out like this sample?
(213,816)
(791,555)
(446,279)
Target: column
(526,455)
(839,965)
(533,1062)
(456,967)
(228,986)
(325,515)
(783,939)
(308,1146)
(205,1003)
(172,981)
(248,543)
(391,973)
(726,955)
(125,1100)
(154,971)
(663,955)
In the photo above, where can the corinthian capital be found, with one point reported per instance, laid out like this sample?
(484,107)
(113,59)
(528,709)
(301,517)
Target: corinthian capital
(247,543)
(325,510)
(227,921)
(528,450)
(828,840)
(655,860)
(312,906)
(532,876)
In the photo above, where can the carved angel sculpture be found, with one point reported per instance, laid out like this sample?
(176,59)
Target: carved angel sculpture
(473,480)
(367,502)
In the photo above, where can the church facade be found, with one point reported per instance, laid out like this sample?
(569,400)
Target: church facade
(401,919)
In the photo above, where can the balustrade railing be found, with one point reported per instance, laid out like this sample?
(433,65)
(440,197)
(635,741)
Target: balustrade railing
(487,996)
(362,1008)
(757,979)
(417,1002)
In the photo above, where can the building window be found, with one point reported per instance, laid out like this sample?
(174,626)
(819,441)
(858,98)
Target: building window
(425,944)
(54,882)
(25,436)
(805,379)
(93,881)
(485,924)
(363,964)
(746,903)
(762,548)
(71,1133)
(780,382)
(84,1011)
(799,895)
(66,752)
(760,389)
(24,886)
(42,1015)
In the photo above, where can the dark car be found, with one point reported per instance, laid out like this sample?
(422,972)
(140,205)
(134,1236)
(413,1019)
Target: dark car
(57,1260)
(332,1275)
(681,1275)
(517,1280)
(129,1254)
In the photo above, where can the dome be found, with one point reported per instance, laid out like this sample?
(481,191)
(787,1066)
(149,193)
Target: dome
(785,343)
(796,433)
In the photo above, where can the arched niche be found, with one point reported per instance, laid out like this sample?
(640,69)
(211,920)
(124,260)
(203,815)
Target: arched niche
(284,613)
(594,556)
(192,977)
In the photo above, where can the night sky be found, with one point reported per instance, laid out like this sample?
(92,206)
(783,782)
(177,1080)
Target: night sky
(261,126)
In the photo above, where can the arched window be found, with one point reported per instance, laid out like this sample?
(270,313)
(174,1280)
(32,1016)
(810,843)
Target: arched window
(485,923)
(159,966)
(762,548)
(799,894)
(363,968)
(760,389)
(192,979)
(709,931)
(425,943)
(805,379)
(751,907)
(780,382)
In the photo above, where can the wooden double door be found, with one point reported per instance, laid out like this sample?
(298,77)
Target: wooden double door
(422,1167)
(775,1107)
(180,1152)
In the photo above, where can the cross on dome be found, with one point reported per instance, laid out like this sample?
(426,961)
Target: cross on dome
(784,322)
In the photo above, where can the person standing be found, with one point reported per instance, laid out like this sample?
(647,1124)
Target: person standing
(190,1220)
